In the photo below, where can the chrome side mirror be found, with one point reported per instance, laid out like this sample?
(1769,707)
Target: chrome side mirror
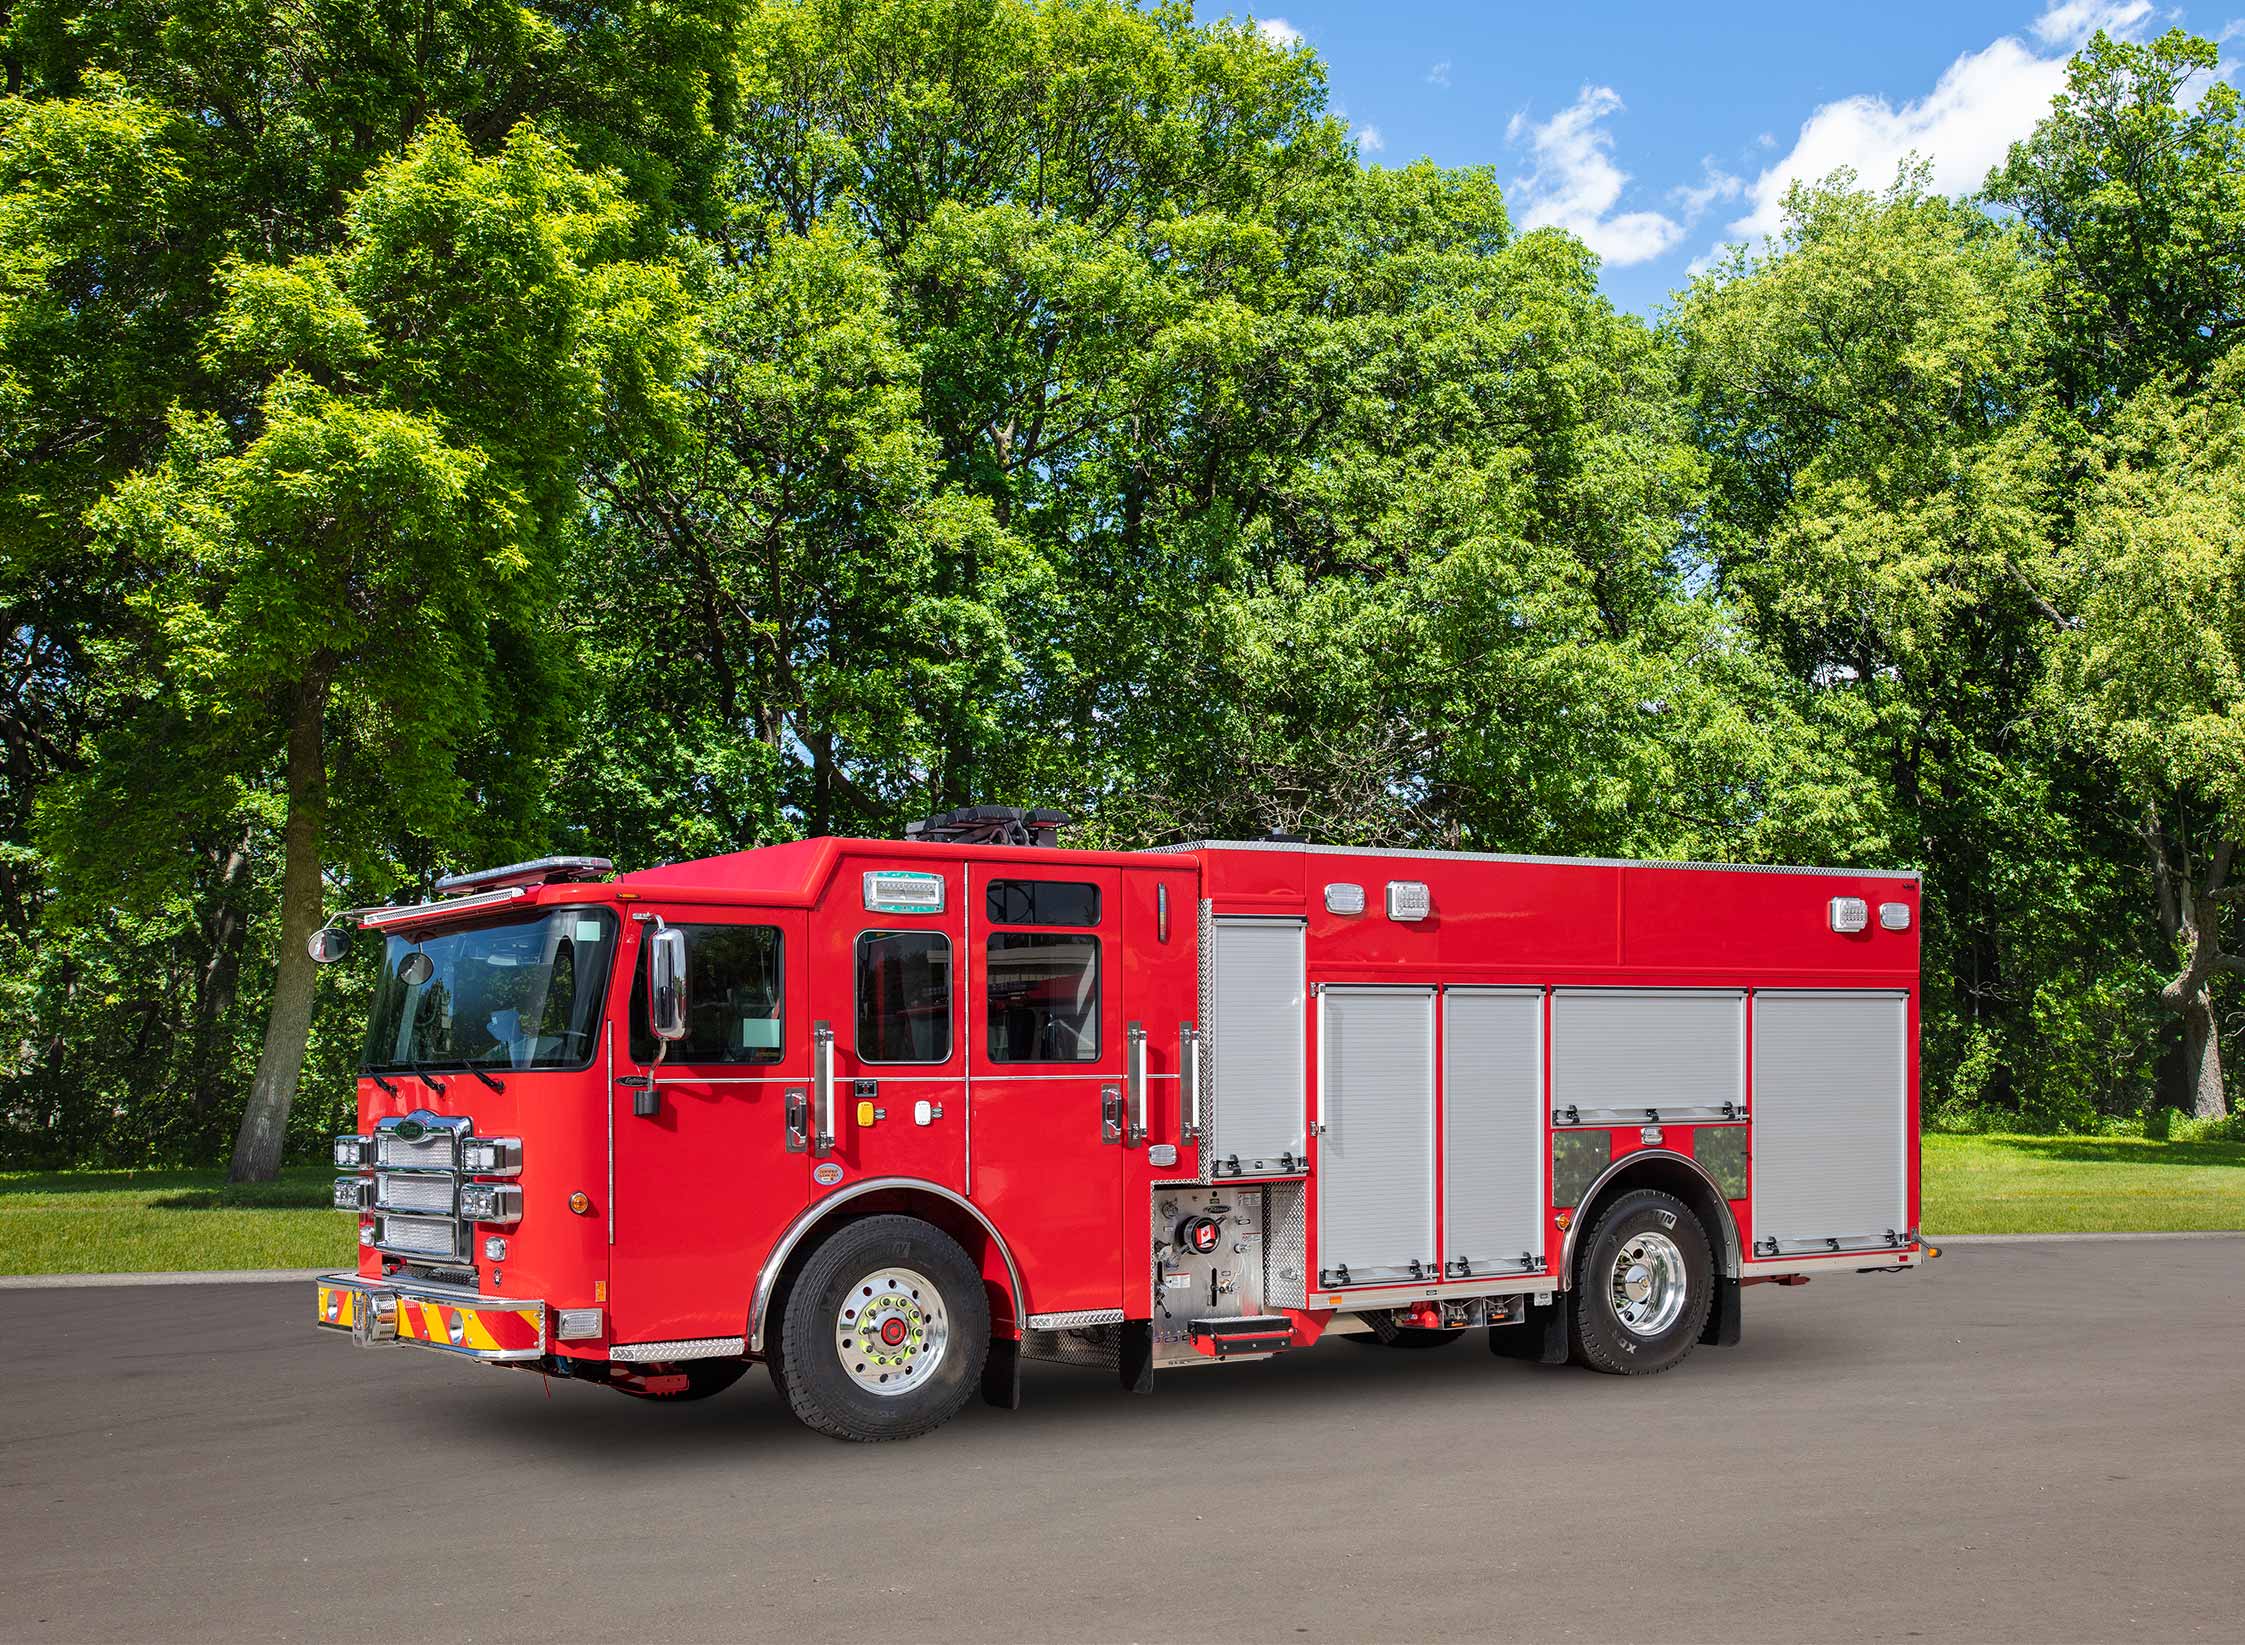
(666,984)
(328,944)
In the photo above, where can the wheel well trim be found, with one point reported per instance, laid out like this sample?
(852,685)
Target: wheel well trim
(1727,1233)
(819,1210)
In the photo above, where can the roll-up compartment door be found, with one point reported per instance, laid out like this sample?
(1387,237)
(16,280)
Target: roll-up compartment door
(1256,1033)
(1375,1165)
(1492,1131)
(1627,1056)
(1831,1113)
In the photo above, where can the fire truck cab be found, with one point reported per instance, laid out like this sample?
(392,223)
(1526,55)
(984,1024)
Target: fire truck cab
(892,1116)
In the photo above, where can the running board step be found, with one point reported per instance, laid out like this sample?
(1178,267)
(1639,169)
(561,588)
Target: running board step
(1239,1334)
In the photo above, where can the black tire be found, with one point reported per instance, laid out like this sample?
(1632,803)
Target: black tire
(704,1377)
(1599,1335)
(806,1355)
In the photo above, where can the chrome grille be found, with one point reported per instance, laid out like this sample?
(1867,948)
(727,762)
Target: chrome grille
(422,1236)
(414,1193)
(429,1153)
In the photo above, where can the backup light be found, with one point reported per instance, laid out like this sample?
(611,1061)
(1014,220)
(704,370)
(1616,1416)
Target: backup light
(576,1324)
(1850,914)
(490,1202)
(1408,900)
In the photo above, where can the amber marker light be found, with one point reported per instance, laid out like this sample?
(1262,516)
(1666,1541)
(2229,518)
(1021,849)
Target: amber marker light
(581,1203)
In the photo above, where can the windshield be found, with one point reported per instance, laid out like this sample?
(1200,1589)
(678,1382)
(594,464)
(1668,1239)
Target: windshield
(525,994)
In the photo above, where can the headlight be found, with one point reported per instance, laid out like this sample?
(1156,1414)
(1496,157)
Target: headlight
(491,1156)
(490,1202)
(350,1153)
(353,1193)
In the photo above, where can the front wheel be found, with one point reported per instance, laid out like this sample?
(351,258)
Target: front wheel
(884,1331)
(1643,1285)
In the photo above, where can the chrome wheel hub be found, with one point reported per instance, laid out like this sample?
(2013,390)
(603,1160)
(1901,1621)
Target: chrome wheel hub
(891,1331)
(1648,1284)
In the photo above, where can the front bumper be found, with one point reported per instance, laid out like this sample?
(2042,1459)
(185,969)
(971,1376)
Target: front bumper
(449,1318)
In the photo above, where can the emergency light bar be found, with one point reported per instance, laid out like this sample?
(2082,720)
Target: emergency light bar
(538,871)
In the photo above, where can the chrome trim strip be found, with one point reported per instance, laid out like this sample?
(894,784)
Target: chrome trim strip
(1564,1278)
(1068,1322)
(1372,1296)
(1910,874)
(812,1214)
(608,1033)
(643,1353)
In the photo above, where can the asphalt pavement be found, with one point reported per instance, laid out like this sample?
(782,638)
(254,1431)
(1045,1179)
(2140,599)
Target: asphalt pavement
(2024,1442)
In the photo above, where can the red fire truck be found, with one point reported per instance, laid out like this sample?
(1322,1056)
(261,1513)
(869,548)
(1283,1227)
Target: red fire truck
(892,1116)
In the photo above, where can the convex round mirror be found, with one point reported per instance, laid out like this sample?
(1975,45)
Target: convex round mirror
(416,968)
(328,944)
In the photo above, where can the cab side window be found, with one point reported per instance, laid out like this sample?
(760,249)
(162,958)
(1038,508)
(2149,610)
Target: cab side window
(1042,991)
(903,996)
(733,997)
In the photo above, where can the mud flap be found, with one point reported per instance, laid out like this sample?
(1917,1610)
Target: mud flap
(1725,1324)
(1134,1355)
(1541,1337)
(1001,1375)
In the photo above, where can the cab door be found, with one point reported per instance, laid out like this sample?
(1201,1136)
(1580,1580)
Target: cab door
(1047,1052)
(704,1173)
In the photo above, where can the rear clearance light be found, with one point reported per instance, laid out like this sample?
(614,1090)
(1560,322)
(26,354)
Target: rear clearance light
(350,1153)
(490,1202)
(577,1324)
(1850,914)
(1894,916)
(413,1192)
(353,1193)
(491,1156)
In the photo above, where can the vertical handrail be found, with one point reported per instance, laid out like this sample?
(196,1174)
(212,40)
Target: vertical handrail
(1135,1077)
(822,1085)
(1188,1078)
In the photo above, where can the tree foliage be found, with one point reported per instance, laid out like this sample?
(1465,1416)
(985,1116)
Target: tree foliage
(433,433)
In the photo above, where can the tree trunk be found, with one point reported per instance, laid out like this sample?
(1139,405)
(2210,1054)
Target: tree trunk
(218,981)
(2202,1056)
(288,1020)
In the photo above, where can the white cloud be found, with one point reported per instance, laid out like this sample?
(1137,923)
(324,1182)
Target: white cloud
(1575,185)
(1439,75)
(1279,32)
(1369,139)
(1984,102)
(1714,184)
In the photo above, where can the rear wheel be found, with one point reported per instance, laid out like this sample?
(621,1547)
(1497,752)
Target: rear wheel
(884,1331)
(1643,1285)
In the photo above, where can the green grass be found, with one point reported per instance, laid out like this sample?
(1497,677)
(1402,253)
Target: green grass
(2047,1185)
(124,1222)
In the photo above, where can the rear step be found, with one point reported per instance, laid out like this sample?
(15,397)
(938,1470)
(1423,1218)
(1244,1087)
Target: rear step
(1240,1334)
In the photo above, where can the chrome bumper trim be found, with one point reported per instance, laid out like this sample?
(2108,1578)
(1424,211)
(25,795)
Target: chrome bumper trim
(650,1353)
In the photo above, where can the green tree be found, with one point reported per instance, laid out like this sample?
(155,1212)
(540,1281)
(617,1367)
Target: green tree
(2134,188)
(2151,676)
(362,571)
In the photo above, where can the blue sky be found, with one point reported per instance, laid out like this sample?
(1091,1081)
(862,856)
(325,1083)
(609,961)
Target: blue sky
(1659,132)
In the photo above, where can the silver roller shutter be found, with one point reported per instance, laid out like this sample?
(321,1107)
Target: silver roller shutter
(1831,1108)
(1492,1130)
(1375,1170)
(1256,1033)
(1616,1052)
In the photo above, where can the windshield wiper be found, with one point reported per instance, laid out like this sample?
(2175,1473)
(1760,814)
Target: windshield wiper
(481,1075)
(427,1079)
(366,1069)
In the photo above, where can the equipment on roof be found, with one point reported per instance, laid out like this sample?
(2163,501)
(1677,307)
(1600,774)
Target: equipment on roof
(539,871)
(990,825)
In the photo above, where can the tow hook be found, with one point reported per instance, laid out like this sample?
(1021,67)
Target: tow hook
(375,1320)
